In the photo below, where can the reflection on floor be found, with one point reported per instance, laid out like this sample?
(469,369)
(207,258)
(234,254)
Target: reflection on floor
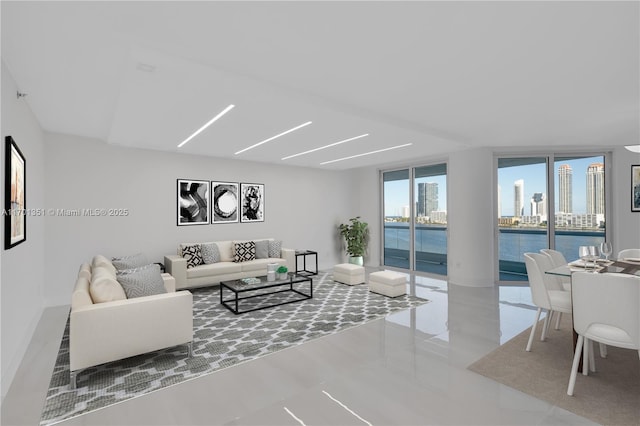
(407,369)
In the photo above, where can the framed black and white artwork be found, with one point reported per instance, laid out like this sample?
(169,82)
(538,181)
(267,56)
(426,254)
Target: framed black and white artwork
(252,202)
(225,202)
(193,202)
(15,219)
(635,188)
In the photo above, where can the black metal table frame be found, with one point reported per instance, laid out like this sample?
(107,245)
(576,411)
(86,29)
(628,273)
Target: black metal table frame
(304,271)
(289,283)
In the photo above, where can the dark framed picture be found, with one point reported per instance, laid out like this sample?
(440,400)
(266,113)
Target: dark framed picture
(193,202)
(224,199)
(15,220)
(635,188)
(252,202)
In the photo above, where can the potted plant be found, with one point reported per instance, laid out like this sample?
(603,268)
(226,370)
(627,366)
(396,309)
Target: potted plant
(282,272)
(355,234)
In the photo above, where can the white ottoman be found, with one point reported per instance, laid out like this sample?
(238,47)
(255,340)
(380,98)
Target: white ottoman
(348,273)
(388,283)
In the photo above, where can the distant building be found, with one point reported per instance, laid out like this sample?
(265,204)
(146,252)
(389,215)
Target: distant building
(405,211)
(438,216)
(595,188)
(518,198)
(570,220)
(565,189)
(427,198)
(539,205)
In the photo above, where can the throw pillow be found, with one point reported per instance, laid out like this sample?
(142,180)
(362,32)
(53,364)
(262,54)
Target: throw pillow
(245,251)
(275,247)
(210,253)
(262,249)
(104,287)
(129,262)
(144,281)
(193,254)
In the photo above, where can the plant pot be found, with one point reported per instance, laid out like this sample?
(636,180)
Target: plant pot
(356,260)
(283,275)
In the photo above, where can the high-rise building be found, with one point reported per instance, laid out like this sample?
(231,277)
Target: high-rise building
(405,211)
(539,205)
(595,188)
(565,189)
(427,198)
(518,198)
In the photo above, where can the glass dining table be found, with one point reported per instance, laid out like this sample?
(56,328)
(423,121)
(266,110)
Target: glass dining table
(623,266)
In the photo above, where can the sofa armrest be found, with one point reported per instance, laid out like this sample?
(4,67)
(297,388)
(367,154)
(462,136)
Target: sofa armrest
(289,255)
(110,331)
(169,282)
(177,267)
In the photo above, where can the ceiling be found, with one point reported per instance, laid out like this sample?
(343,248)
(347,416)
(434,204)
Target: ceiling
(443,76)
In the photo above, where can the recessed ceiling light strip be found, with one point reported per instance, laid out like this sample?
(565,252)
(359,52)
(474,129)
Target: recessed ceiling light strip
(273,137)
(366,153)
(197,132)
(326,146)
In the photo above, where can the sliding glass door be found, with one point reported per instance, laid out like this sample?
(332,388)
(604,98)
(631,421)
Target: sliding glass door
(551,201)
(415,218)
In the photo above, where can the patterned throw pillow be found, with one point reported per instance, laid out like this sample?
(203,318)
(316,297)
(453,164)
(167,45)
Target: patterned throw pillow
(210,253)
(139,282)
(262,249)
(275,247)
(245,251)
(193,254)
(130,262)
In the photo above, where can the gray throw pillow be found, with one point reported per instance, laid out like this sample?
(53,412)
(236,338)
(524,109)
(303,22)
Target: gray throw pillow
(210,253)
(130,262)
(274,248)
(139,282)
(262,249)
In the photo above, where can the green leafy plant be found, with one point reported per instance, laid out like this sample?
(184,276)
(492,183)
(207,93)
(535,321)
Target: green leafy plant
(355,234)
(282,270)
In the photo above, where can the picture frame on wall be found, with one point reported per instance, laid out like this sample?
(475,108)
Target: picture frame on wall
(224,200)
(15,220)
(252,202)
(635,188)
(192,202)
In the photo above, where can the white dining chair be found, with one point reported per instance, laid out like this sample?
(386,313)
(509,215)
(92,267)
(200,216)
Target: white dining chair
(552,283)
(558,259)
(631,253)
(545,299)
(606,309)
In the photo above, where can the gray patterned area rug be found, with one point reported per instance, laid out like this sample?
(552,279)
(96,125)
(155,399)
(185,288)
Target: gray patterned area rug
(221,339)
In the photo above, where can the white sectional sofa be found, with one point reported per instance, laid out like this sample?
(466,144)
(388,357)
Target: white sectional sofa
(224,269)
(111,330)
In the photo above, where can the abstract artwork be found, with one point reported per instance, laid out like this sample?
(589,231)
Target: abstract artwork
(252,202)
(225,202)
(635,188)
(15,220)
(193,202)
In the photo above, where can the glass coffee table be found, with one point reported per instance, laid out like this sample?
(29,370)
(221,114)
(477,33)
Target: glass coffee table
(241,296)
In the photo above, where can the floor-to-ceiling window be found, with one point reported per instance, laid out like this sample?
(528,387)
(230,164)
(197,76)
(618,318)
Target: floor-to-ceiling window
(550,201)
(415,218)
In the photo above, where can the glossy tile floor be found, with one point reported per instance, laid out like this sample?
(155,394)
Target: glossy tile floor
(406,369)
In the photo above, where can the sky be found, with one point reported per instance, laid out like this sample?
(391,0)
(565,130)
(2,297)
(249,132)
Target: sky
(396,194)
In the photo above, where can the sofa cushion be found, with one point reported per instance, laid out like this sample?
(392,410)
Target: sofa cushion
(100,260)
(128,262)
(226,250)
(104,287)
(262,249)
(85,271)
(81,295)
(275,247)
(210,253)
(219,268)
(259,266)
(144,281)
(244,251)
(193,254)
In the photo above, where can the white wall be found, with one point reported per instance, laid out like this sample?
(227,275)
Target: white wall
(302,206)
(626,224)
(22,274)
